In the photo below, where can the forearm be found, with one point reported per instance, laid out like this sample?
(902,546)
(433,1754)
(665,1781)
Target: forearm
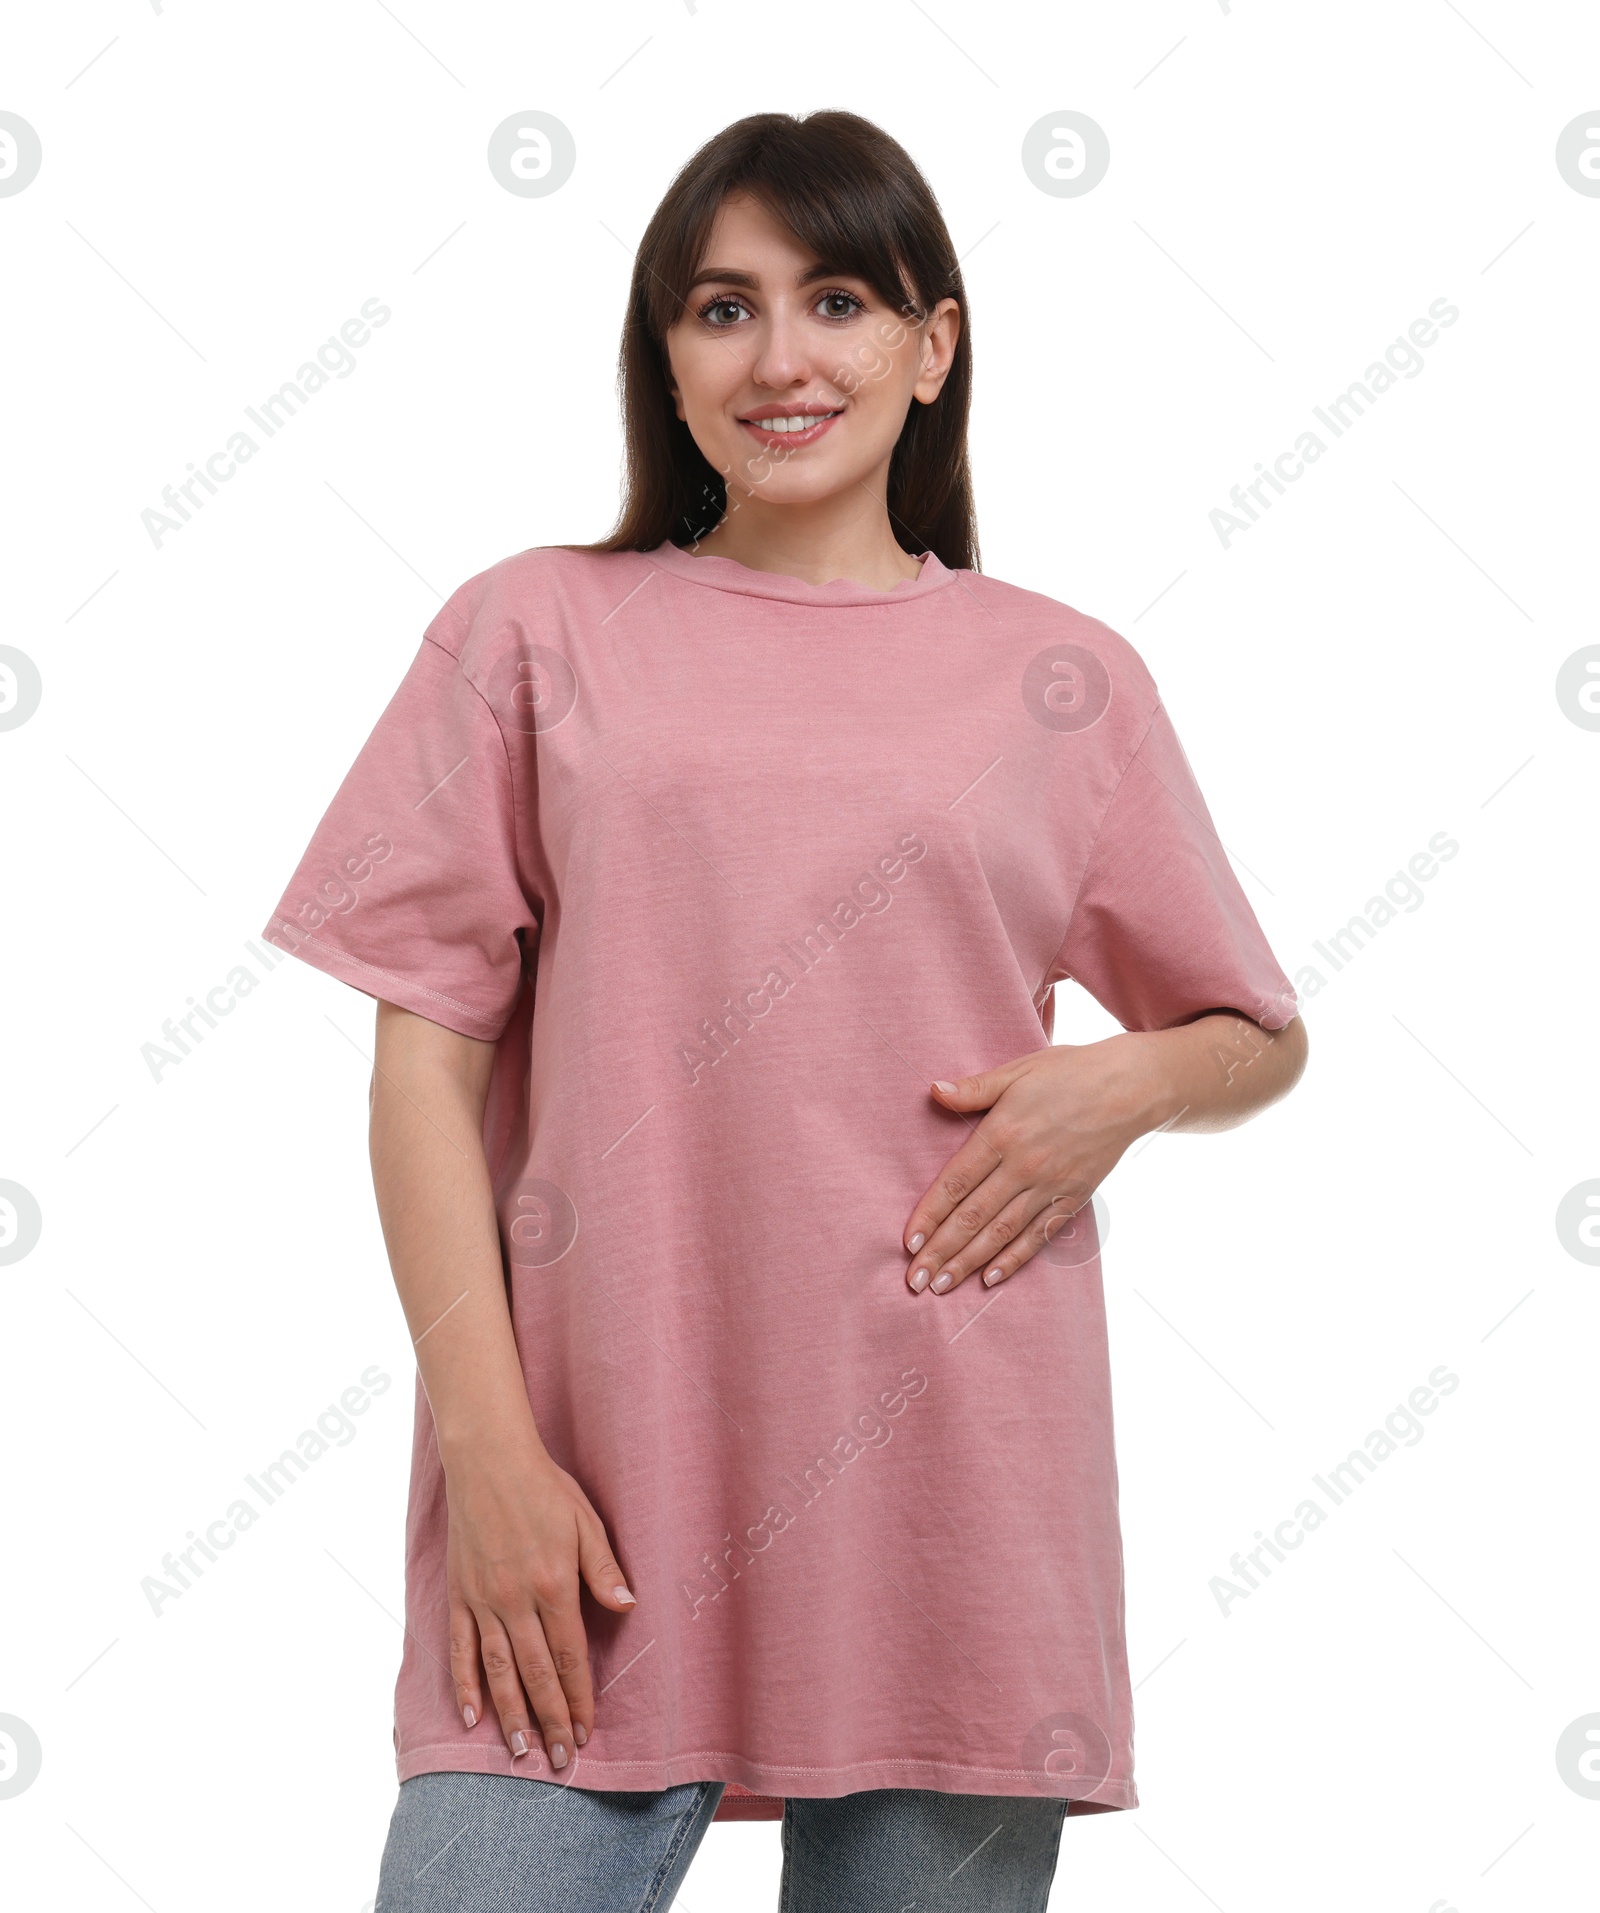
(436,1205)
(522,1536)
(1214,1073)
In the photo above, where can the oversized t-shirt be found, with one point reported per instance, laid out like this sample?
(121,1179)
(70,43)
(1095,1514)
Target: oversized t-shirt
(730,867)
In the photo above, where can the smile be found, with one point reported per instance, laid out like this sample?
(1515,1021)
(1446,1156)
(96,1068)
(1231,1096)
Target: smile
(790,428)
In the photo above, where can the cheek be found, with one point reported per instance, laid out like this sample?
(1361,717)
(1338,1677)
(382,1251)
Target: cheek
(860,366)
(878,385)
(875,370)
(707,372)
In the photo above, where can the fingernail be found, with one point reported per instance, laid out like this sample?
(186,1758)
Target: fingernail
(916,1242)
(469,1715)
(992,1277)
(622,1594)
(519,1744)
(942,1281)
(580,1733)
(919,1279)
(948,1089)
(558,1754)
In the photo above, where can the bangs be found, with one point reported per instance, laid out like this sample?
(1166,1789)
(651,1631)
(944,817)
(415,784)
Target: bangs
(832,198)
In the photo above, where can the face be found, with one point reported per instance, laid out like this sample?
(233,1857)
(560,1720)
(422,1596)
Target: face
(794,379)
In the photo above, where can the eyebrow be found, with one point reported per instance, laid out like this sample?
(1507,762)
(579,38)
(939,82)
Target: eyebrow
(731,276)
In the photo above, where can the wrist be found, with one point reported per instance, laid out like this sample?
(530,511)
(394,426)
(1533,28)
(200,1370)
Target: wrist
(479,1439)
(1152,1082)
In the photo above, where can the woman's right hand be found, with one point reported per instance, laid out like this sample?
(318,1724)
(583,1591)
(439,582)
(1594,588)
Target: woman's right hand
(522,1537)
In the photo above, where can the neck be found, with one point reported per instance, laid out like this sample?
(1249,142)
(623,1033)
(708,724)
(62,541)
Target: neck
(843,537)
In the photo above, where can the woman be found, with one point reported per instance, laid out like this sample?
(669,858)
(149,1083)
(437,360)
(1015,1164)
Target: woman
(713,881)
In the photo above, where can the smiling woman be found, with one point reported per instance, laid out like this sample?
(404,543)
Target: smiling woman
(798,271)
(625,783)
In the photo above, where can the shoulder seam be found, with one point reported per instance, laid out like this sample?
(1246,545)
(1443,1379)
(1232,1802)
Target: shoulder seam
(505,748)
(494,715)
(448,606)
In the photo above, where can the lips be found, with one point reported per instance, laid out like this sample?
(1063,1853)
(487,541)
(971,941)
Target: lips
(784,428)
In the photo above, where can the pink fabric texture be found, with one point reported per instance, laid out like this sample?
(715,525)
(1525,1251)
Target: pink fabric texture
(729,867)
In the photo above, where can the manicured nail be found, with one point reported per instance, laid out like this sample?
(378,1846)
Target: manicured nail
(992,1277)
(919,1279)
(519,1744)
(622,1594)
(558,1754)
(948,1089)
(580,1733)
(916,1242)
(942,1281)
(469,1715)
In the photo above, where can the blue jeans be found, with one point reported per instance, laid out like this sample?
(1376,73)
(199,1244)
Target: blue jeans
(488,1843)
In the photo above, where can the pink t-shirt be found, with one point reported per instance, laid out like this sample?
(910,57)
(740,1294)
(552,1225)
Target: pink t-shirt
(729,867)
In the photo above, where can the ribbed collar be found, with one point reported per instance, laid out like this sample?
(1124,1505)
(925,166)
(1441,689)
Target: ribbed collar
(727,574)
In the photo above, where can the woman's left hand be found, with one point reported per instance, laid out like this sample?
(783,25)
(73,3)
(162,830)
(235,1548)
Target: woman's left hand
(1058,1123)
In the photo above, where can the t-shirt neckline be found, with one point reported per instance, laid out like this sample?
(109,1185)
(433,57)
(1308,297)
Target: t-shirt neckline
(727,574)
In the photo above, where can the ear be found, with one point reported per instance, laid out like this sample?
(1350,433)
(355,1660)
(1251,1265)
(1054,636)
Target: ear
(671,378)
(937,349)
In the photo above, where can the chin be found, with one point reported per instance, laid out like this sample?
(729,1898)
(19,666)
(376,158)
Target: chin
(798,487)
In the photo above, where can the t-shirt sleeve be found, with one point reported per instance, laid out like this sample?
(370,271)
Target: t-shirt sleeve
(1161,932)
(411,888)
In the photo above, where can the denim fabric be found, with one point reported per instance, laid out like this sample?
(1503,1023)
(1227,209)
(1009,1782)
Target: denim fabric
(881,1851)
(488,1843)
(491,1843)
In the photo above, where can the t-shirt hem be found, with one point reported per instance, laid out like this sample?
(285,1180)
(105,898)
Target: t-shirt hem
(774,1782)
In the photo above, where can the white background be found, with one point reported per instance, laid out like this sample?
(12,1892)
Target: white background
(1372,663)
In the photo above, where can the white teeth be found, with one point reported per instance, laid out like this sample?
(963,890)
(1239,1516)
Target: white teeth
(796,424)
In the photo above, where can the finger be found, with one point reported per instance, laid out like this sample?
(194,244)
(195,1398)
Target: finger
(1049,1223)
(986,1245)
(598,1566)
(981,1091)
(568,1647)
(542,1685)
(505,1685)
(977,1211)
(967,1170)
(465,1668)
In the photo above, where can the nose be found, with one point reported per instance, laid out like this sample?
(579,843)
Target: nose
(784,356)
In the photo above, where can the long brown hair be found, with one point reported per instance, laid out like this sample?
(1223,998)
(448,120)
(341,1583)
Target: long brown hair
(854,197)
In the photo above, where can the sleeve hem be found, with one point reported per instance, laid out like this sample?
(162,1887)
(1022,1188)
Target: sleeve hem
(1267,1018)
(407,992)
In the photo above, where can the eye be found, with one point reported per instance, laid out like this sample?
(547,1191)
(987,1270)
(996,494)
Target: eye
(725,311)
(840,305)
